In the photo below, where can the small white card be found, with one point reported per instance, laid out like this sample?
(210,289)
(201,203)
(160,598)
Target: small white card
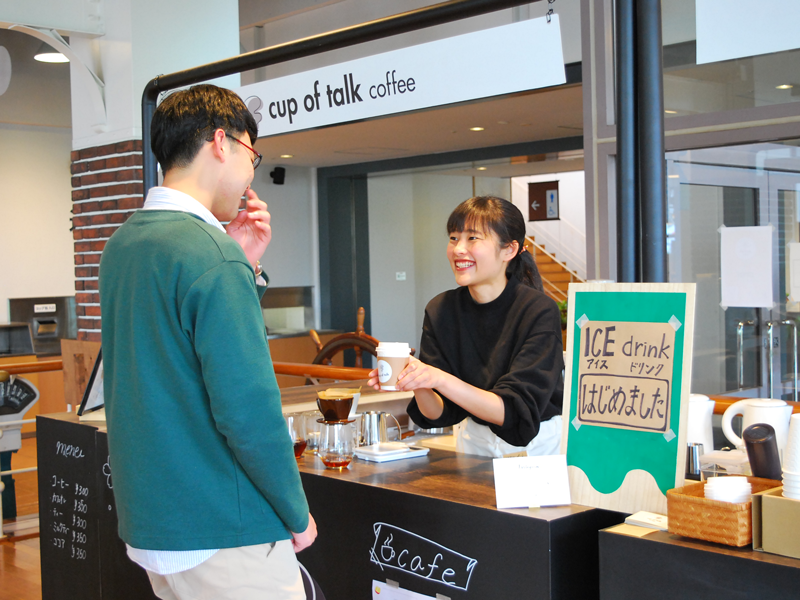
(384,591)
(649,520)
(531,481)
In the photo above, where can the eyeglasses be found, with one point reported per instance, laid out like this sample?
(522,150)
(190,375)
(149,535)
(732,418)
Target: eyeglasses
(257,159)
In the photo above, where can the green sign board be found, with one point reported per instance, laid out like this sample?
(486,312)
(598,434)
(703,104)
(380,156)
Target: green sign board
(628,372)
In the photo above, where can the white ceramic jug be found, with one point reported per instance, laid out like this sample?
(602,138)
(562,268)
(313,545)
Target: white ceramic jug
(758,410)
(699,429)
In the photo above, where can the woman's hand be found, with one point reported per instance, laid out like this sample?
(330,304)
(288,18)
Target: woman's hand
(418,375)
(415,376)
(373,380)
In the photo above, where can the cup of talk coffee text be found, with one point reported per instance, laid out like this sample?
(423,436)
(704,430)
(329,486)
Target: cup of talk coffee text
(392,358)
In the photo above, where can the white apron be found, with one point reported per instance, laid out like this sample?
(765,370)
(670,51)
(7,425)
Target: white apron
(472,438)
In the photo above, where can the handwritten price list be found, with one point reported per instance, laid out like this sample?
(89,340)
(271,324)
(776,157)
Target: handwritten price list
(70,509)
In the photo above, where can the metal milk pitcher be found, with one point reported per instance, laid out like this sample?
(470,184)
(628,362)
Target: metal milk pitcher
(373,427)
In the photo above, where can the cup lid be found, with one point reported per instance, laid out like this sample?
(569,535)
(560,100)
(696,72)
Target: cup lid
(394,348)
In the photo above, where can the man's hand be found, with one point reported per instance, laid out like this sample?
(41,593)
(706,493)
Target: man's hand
(301,541)
(251,228)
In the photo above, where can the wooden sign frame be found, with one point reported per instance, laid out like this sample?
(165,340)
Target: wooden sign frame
(628,376)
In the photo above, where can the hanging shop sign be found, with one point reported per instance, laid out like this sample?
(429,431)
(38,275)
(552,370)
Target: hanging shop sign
(629,353)
(730,29)
(503,60)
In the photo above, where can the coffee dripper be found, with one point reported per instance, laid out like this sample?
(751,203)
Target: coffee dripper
(338,436)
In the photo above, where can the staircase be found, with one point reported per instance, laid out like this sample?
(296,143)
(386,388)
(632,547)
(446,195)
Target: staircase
(556,277)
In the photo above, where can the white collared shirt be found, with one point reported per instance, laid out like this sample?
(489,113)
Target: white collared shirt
(164,198)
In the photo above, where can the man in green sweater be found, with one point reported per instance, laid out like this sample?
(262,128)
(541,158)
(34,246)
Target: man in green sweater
(207,488)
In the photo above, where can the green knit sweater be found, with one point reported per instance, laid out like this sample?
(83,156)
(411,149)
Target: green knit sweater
(199,451)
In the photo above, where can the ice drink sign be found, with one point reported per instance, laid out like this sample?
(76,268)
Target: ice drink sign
(624,374)
(626,393)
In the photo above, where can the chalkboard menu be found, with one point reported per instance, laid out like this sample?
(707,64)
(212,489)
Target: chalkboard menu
(69,535)
(81,552)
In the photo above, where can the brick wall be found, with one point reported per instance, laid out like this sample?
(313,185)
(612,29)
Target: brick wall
(106,190)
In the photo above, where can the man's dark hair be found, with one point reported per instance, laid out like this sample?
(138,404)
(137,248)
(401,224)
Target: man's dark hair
(186,119)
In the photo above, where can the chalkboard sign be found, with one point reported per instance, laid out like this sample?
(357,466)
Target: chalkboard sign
(629,353)
(69,536)
(122,579)
(82,554)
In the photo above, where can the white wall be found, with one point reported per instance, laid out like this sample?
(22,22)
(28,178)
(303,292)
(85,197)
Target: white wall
(35,142)
(566,237)
(36,252)
(145,38)
(391,250)
(289,258)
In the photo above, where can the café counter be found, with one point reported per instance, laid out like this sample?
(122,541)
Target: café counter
(427,525)
(640,564)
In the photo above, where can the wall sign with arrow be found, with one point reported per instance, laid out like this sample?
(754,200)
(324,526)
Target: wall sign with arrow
(543,201)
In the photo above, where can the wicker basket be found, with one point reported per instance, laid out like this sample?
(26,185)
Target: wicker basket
(692,515)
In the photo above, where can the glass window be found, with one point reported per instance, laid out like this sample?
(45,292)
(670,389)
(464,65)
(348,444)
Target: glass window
(738,350)
(689,88)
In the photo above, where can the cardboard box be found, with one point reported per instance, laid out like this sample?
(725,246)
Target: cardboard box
(776,523)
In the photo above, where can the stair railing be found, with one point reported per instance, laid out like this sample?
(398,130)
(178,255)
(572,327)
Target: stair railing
(550,287)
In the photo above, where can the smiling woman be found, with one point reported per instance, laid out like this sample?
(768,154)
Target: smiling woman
(491,350)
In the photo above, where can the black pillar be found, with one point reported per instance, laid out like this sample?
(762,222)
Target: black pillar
(650,117)
(628,234)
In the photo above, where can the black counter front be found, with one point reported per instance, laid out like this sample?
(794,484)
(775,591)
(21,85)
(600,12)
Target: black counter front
(663,566)
(427,524)
(430,525)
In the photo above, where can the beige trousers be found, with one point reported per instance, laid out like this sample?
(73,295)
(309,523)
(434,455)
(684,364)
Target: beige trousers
(262,572)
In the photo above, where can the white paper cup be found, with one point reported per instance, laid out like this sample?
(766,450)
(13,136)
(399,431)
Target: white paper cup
(392,358)
(791,453)
(728,489)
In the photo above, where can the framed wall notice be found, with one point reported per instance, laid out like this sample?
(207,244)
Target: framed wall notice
(629,357)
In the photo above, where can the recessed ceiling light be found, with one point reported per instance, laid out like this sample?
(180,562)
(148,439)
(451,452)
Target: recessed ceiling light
(287,155)
(481,168)
(671,112)
(476,128)
(785,86)
(673,176)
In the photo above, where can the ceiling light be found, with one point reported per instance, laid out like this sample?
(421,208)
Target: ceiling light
(49,55)
(476,128)
(785,86)
(671,112)
(481,168)
(673,176)
(287,155)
